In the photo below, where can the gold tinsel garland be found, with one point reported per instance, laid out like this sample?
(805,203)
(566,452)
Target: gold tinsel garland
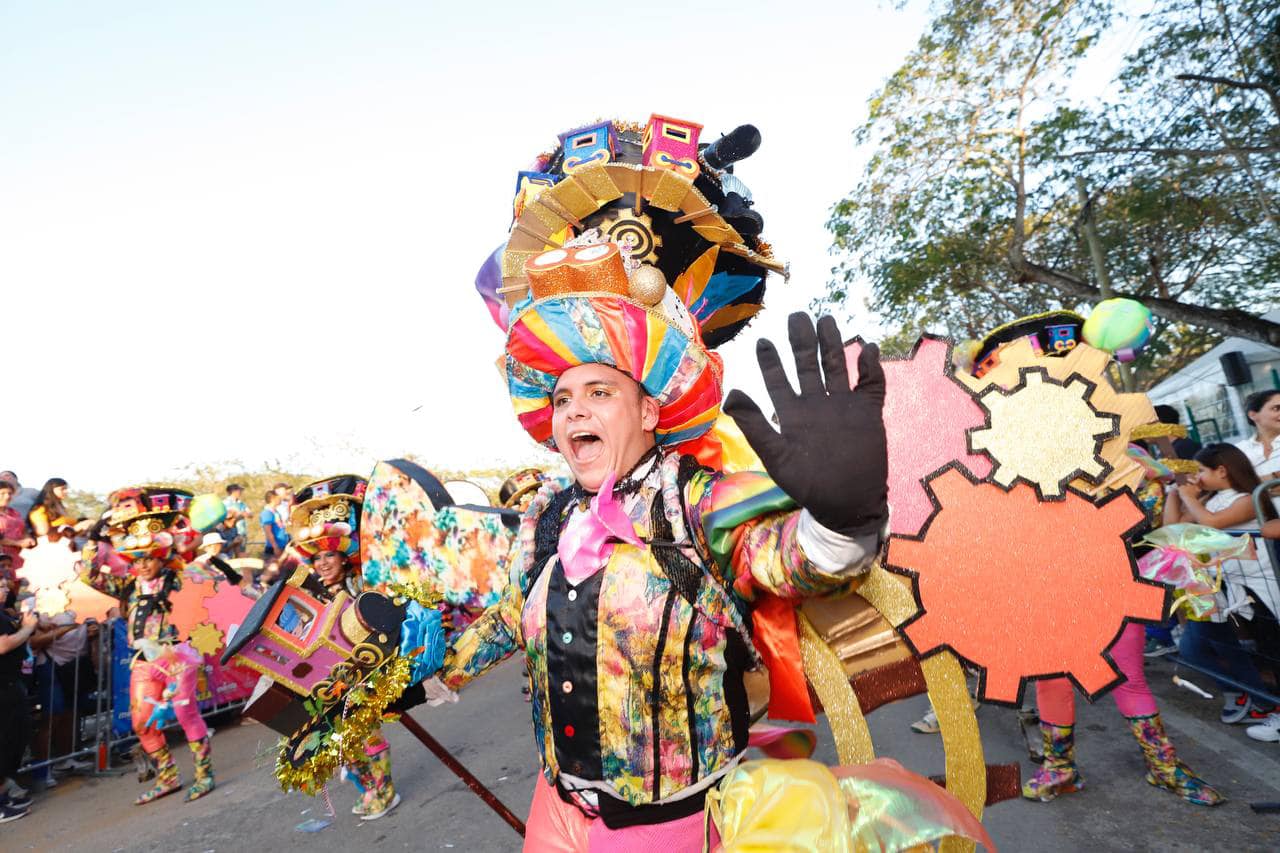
(427,596)
(363,707)
(1158,431)
(1181,466)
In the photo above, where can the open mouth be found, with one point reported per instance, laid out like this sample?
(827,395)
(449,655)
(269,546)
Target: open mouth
(585,446)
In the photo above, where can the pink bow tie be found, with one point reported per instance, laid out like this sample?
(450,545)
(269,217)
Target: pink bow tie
(588,539)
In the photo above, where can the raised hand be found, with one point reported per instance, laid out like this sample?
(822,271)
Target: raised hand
(829,453)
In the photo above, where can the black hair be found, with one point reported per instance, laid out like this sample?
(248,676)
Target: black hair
(49,500)
(1168,415)
(1255,401)
(1240,472)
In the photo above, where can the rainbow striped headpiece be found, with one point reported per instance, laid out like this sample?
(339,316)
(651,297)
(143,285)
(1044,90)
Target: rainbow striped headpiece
(581,311)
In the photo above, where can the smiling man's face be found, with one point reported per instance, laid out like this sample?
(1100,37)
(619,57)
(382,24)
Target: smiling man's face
(601,422)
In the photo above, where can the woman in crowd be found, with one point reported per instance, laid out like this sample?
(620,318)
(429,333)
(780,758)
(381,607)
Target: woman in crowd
(1262,449)
(49,517)
(1221,498)
(13,531)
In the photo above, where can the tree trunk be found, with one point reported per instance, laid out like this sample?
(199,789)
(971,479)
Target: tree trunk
(1228,321)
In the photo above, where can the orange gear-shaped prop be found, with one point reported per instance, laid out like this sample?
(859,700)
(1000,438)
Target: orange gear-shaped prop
(1043,592)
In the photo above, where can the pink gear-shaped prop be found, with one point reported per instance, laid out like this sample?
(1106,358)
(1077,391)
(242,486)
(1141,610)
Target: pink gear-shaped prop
(1024,588)
(926,416)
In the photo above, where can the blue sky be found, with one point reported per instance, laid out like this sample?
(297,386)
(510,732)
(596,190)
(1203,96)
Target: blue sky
(249,231)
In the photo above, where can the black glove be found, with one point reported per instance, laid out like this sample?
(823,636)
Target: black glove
(413,696)
(830,456)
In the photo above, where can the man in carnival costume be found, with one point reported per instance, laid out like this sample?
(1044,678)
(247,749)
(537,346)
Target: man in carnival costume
(635,587)
(142,566)
(323,529)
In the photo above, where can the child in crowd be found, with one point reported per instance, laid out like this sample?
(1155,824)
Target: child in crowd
(1221,497)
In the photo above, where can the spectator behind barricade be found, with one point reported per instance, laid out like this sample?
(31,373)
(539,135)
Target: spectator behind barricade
(58,644)
(237,514)
(232,542)
(274,533)
(1183,447)
(15,710)
(1249,588)
(285,492)
(211,544)
(13,530)
(1262,408)
(49,517)
(23,498)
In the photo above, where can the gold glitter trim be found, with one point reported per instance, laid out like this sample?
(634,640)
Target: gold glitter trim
(720,233)
(844,715)
(1158,431)
(548,217)
(574,197)
(670,191)
(599,183)
(1181,466)
(513,261)
(966,766)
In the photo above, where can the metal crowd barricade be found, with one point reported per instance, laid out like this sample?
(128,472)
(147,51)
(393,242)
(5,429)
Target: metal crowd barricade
(88,723)
(103,725)
(1272,549)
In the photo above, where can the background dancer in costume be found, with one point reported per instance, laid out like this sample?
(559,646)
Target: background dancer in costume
(323,525)
(164,670)
(1056,334)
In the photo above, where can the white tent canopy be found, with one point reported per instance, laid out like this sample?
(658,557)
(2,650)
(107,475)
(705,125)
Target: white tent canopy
(1202,387)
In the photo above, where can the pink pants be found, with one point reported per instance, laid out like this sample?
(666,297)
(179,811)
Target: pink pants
(554,826)
(1056,697)
(148,681)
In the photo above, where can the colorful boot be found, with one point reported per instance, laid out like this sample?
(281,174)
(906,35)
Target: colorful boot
(167,779)
(202,757)
(1164,769)
(359,775)
(380,795)
(1058,774)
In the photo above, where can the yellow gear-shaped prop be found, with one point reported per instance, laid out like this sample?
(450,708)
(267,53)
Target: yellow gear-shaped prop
(1133,410)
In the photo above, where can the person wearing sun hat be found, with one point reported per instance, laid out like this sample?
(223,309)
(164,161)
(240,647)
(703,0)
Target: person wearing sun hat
(636,588)
(324,531)
(147,529)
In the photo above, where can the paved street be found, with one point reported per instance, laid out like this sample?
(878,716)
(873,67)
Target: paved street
(489,731)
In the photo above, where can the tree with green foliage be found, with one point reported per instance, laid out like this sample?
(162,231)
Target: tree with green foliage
(968,214)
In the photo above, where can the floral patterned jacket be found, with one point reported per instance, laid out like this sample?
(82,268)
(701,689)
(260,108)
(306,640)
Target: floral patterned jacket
(637,689)
(147,602)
